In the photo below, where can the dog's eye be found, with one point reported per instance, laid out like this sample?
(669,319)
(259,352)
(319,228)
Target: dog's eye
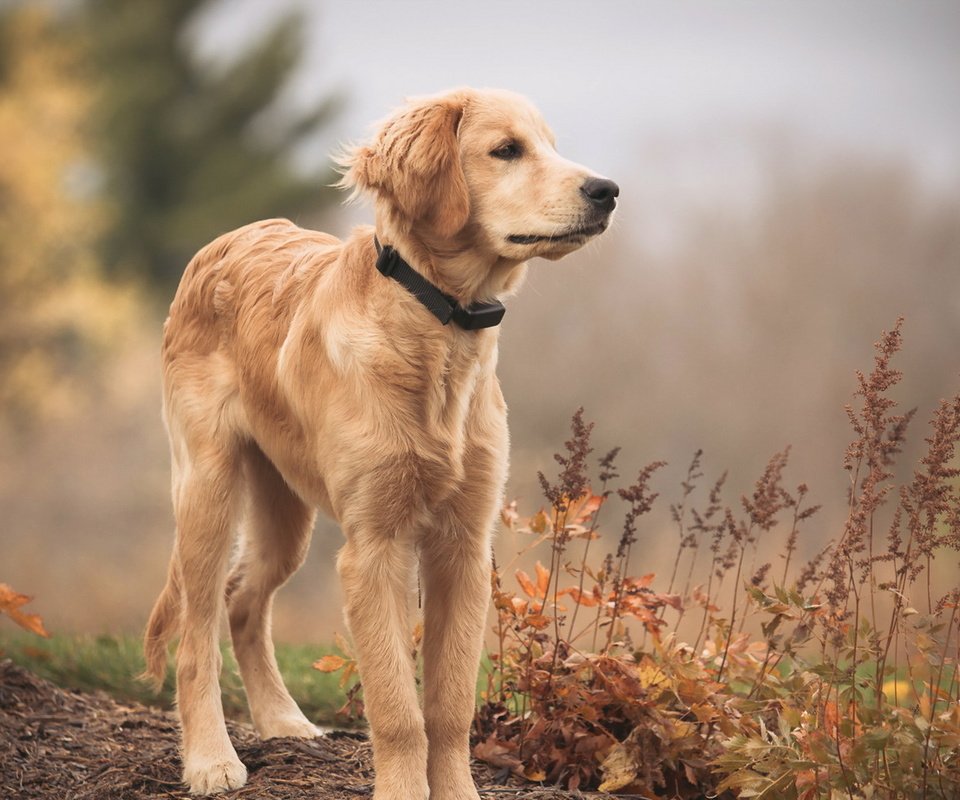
(508,152)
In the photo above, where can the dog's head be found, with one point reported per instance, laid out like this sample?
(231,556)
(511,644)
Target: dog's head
(478,170)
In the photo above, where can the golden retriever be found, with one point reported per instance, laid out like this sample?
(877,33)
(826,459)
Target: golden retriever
(297,376)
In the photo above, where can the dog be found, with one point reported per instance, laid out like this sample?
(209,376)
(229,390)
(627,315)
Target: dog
(301,372)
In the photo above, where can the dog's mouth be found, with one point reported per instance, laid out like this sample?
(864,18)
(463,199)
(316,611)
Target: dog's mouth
(559,238)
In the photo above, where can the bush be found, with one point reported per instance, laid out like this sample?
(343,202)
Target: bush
(827,692)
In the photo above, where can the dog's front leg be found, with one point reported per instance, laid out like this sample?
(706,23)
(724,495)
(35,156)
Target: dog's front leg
(376,572)
(456,574)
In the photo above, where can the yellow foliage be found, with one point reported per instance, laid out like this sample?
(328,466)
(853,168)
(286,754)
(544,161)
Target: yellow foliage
(56,312)
(619,767)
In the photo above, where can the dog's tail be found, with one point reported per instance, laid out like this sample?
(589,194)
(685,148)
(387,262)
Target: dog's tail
(163,626)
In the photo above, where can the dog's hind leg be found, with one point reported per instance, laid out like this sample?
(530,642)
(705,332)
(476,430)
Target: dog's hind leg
(275,531)
(205,501)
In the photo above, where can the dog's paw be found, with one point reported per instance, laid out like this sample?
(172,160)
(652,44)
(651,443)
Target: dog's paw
(463,791)
(414,791)
(452,781)
(295,726)
(215,776)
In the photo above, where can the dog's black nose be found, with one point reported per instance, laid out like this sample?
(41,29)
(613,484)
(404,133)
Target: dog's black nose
(601,192)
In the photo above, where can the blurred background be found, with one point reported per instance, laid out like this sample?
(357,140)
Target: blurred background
(790,185)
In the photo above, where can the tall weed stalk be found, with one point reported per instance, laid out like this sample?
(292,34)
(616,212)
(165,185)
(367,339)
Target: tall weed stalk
(826,681)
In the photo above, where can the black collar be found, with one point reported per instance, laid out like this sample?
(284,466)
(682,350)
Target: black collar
(444,307)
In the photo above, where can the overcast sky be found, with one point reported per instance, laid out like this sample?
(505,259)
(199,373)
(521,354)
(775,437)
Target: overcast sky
(617,79)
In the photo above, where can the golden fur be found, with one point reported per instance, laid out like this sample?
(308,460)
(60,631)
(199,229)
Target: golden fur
(296,376)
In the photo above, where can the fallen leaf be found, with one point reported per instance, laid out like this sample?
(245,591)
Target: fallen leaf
(10,603)
(496,753)
(619,768)
(534,774)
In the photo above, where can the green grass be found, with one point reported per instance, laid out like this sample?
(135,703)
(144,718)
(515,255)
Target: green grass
(112,664)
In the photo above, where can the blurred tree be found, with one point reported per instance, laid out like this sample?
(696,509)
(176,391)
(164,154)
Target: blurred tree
(56,314)
(190,150)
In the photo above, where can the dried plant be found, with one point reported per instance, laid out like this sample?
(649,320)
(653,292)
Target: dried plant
(794,691)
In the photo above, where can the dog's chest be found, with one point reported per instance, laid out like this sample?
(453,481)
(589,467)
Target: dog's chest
(427,421)
(441,395)
(452,390)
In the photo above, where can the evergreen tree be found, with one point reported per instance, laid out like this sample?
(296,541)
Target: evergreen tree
(190,151)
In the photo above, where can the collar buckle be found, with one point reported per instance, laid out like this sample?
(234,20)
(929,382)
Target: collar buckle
(479,315)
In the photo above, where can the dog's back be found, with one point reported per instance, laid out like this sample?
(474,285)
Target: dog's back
(231,315)
(245,284)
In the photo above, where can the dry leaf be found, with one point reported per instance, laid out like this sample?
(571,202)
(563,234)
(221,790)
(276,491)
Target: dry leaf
(619,768)
(539,522)
(584,507)
(10,603)
(509,515)
(496,753)
(526,584)
(534,774)
(543,580)
(329,663)
(581,598)
(348,673)
(537,621)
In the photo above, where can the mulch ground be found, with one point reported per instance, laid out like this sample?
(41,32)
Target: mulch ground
(56,743)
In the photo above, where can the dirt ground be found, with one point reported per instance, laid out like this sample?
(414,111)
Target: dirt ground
(68,745)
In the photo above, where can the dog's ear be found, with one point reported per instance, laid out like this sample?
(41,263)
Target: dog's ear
(413,163)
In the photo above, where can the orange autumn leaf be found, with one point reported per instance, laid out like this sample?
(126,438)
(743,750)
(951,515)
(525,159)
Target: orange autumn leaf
(642,582)
(831,717)
(329,663)
(10,603)
(526,584)
(584,507)
(543,579)
(537,621)
(348,673)
(581,598)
